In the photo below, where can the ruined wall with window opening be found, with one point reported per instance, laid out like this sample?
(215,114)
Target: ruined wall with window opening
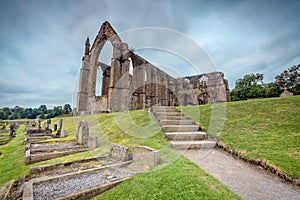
(147,86)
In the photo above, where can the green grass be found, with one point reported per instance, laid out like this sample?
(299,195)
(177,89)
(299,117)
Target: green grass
(12,159)
(264,129)
(180,180)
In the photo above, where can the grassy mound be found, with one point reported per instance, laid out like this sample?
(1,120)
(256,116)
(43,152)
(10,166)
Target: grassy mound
(263,129)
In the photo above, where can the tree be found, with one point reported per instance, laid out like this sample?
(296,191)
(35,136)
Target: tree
(67,108)
(17,112)
(42,109)
(42,116)
(57,110)
(28,112)
(7,110)
(3,115)
(248,87)
(289,79)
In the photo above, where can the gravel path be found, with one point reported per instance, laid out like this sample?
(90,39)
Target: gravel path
(247,181)
(55,189)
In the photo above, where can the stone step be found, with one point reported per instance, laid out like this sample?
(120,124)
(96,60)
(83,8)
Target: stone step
(163,107)
(157,109)
(177,122)
(168,114)
(185,135)
(180,128)
(160,118)
(200,144)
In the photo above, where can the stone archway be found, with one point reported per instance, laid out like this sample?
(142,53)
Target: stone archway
(86,98)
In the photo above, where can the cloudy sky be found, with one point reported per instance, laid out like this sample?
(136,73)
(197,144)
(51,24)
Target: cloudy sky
(42,41)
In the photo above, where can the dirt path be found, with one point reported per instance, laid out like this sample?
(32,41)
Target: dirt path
(247,181)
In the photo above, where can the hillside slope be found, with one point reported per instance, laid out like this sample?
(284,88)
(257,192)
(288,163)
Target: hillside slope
(263,129)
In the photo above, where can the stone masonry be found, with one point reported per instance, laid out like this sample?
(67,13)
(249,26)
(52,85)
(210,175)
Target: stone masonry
(145,87)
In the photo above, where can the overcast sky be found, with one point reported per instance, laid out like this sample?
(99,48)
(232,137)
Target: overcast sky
(42,41)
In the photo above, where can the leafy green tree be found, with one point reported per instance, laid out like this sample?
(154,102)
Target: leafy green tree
(43,109)
(42,116)
(57,110)
(67,109)
(248,87)
(3,115)
(28,112)
(7,110)
(289,79)
(272,90)
(17,111)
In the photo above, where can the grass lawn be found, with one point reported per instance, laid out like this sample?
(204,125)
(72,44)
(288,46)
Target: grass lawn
(263,129)
(180,178)
(12,159)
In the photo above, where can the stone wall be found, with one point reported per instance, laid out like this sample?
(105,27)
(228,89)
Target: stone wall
(147,86)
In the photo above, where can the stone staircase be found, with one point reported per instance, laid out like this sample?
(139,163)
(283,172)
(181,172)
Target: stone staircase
(180,130)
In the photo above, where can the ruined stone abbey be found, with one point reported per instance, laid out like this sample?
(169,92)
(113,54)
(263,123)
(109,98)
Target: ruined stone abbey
(145,87)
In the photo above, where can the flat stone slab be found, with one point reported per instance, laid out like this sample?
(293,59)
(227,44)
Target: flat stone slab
(168,114)
(247,181)
(180,128)
(41,152)
(201,144)
(172,118)
(68,167)
(177,122)
(185,135)
(64,187)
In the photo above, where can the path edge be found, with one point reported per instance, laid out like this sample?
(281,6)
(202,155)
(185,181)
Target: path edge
(263,164)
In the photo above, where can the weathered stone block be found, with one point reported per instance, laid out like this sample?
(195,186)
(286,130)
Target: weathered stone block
(93,142)
(27,157)
(146,156)
(118,152)
(82,133)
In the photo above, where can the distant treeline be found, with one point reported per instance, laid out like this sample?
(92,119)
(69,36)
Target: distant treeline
(251,86)
(32,113)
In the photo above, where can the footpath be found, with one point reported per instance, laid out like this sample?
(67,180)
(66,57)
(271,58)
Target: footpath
(247,181)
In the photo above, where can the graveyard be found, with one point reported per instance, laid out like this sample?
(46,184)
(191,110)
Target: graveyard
(248,141)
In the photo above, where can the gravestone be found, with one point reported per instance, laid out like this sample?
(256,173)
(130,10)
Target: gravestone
(118,152)
(60,125)
(93,142)
(38,123)
(55,127)
(82,133)
(48,124)
(63,133)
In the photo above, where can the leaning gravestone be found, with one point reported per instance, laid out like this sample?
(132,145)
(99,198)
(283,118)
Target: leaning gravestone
(82,133)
